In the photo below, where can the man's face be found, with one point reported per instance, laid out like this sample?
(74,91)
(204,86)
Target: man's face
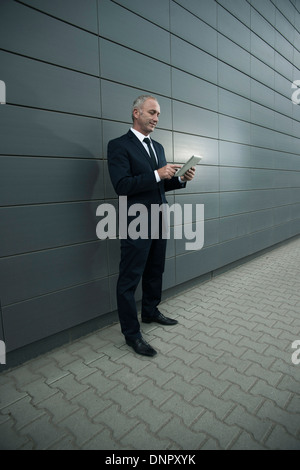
(146,118)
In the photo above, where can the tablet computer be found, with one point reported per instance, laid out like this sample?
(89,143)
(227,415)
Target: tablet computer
(191,162)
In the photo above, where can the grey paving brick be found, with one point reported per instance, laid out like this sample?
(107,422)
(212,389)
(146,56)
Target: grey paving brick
(79,369)
(10,439)
(279,439)
(43,432)
(256,370)
(153,417)
(57,407)
(22,412)
(216,429)
(9,394)
(179,386)
(256,426)
(69,386)
(66,443)
(262,389)
(118,423)
(22,376)
(106,365)
(233,376)
(188,412)
(51,372)
(123,398)
(206,380)
(140,438)
(245,441)
(236,395)
(273,413)
(157,395)
(81,427)
(90,401)
(183,436)
(104,441)
(223,378)
(294,404)
(127,378)
(208,401)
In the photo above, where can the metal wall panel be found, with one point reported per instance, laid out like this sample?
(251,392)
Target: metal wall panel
(30,180)
(29,32)
(44,272)
(41,317)
(82,14)
(123,29)
(222,71)
(27,228)
(27,131)
(67,91)
(151,75)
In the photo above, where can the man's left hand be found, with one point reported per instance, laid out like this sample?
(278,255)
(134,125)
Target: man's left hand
(188,175)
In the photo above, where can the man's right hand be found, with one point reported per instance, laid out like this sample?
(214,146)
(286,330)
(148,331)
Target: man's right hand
(168,171)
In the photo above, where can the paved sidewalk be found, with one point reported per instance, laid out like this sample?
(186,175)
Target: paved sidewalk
(223,378)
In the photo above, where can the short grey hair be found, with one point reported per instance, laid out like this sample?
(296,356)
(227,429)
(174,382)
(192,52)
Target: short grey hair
(139,101)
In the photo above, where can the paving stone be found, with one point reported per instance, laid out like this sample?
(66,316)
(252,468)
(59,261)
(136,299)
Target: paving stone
(10,439)
(157,395)
(57,407)
(188,412)
(272,377)
(104,441)
(279,439)
(69,386)
(258,427)
(207,401)
(236,395)
(233,376)
(140,438)
(80,427)
(22,376)
(9,394)
(66,443)
(223,433)
(22,412)
(128,378)
(290,421)
(51,372)
(206,380)
(183,436)
(146,412)
(43,432)
(126,400)
(245,441)
(223,378)
(116,421)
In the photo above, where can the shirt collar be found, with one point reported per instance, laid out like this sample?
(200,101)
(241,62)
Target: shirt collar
(139,135)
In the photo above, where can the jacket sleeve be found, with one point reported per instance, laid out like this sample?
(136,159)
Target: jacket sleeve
(173,183)
(123,179)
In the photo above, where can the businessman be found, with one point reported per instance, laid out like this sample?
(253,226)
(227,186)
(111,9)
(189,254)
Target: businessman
(138,170)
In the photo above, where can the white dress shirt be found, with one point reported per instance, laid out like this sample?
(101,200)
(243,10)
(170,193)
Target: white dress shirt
(141,138)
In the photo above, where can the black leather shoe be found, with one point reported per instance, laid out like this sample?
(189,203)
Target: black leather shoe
(161,319)
(141,347)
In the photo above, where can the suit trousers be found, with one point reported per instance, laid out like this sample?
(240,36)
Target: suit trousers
(140,259)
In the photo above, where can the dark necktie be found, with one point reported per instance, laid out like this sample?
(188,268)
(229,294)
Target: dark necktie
(153,159)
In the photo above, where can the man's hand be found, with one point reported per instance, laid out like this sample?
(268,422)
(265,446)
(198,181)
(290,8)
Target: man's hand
(189,175)
(168,171)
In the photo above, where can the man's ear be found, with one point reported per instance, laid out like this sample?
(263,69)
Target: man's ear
(135,113)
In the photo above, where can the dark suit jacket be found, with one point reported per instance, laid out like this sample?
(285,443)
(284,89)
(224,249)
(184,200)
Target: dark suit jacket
(131,172)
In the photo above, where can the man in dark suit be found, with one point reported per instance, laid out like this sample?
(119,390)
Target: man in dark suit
(139,171)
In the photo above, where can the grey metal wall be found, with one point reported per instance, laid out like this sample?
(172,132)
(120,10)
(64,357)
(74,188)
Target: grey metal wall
(222,71)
